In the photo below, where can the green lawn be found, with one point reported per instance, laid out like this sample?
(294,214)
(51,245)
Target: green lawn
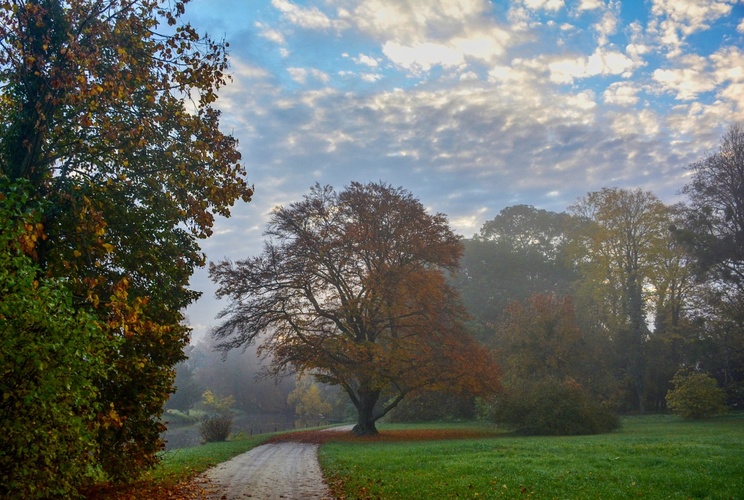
(651,457)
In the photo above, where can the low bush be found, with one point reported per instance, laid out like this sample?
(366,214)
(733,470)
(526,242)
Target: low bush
(551,407)
(215,428)
(696,395)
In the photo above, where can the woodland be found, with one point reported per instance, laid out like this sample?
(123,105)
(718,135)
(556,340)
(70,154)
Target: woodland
(112,170)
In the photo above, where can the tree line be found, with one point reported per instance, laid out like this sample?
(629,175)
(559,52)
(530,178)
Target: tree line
(621,291)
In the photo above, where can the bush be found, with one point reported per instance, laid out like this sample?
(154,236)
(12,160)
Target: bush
(215,428)
(696,395)
(551,407)
(51,354)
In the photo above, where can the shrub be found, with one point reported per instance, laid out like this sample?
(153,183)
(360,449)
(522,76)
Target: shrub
(217,424)
(215,428)
(551,407)
(696,395)
(51,354)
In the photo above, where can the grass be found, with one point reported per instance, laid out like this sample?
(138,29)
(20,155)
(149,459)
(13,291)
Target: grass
(651,457)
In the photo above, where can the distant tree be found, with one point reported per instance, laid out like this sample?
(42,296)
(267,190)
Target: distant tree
(308,402)
(696,395)
(616,254)
(187,391)
(519,253)
(714,232)
(241,374)
(351,288)
(540,338)
(107,112)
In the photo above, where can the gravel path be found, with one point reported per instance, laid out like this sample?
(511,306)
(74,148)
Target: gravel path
(287,470)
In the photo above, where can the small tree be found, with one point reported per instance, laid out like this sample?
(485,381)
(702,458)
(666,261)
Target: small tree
(696,395)
(308,402)
(217,424)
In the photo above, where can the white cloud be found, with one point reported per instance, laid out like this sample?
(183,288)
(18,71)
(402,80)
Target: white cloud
(590,4)
(606,27)
(621,94)
(549,5)
(674,20)
(728,65)
(366,60)
(270,34)
(565,69)
(417,35)
(302,75)
(644,123)
(689,79)
(308,18)
(689,16)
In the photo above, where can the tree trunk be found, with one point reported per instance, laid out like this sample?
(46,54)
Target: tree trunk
(365,405)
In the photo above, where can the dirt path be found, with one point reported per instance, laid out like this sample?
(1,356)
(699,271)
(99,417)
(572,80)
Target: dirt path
(286,470)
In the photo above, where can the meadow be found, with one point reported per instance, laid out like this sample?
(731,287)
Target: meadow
(650,457)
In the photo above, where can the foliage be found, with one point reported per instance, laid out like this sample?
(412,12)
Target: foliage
(541,338)
(713,231)
(519,253)
(187,391)
(696,395)
(551,407)
(618,253)
(308,402)
(217,424)
(111,121)
(352,289)
(51,355)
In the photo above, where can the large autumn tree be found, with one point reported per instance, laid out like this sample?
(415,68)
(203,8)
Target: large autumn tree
(107,117)
(351,287)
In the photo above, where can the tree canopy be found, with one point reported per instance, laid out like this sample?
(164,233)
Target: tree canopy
(107,115)
(351,287)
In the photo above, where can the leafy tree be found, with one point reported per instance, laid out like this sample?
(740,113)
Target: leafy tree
(50,355)
(351,288)
(308,402)
(714,232)
(186,390)
(110,119)
(540,338)
(519,253)
(617,255)
(696,395)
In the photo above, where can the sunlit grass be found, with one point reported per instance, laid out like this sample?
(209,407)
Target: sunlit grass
(651,457)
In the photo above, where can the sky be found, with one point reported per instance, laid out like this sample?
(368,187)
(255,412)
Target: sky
(471,105)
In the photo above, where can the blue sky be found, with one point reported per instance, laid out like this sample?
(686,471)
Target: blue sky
(471,105)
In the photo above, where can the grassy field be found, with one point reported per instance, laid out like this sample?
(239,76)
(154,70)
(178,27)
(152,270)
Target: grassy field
(651,457)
